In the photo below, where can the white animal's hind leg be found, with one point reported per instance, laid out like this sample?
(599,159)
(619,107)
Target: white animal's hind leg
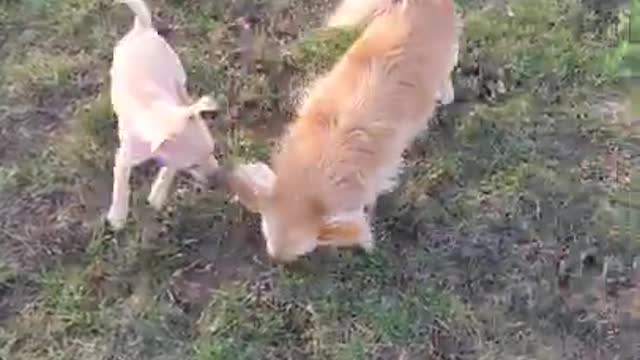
(161,186)
(119,209)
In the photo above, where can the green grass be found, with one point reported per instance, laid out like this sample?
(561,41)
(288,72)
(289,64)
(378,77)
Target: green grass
(42,73)
(62,323)
(480,252)
(32,175)
(343,318)
(92,135)
(317,52)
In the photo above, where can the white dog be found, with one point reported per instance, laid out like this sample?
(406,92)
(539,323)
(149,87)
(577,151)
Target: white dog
(156,117)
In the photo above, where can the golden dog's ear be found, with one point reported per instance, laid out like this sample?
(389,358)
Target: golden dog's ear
(252,184)
(339,232)
(346,230)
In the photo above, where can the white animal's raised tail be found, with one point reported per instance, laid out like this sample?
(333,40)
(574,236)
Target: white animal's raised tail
(141,11)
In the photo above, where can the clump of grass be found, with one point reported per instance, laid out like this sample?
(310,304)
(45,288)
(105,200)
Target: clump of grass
(28,8)
(41,72)
(317,52)
(204,77)
(537,44)
(68,297)
(91,141)
(241,326)
(493,137)
(244,148)
(397,318)
(634,22)
(629,49)
(623,61)
(74,16)
(32,175)
(162,332)
(202,18)
(65,323)
(625,214)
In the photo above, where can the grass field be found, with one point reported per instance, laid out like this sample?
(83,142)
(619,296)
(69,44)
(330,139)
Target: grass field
(515,233)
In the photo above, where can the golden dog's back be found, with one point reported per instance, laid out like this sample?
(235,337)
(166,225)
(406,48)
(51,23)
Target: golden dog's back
(351,131)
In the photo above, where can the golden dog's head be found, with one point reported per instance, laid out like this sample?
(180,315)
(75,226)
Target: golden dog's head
(295,220)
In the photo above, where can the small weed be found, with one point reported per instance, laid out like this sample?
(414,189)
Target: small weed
(32,175)
(43,72)
(241,326)
(204,76)
(65,322)
(317,52)
(634,22)
(91,142)
(243,148)
(537,41)
(69,299)
(7,274)
(158,334)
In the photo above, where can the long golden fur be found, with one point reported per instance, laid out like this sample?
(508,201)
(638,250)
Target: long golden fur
(346,145)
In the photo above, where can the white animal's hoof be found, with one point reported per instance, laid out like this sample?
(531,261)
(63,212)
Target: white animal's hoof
(116,221)
(368,245)
(156,201)
(207,103)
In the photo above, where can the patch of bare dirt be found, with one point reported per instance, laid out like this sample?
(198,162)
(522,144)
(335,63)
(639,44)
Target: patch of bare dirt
(234,258)
(36,229)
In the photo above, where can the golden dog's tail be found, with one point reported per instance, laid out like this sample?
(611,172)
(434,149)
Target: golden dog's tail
(351,13)
(141,11)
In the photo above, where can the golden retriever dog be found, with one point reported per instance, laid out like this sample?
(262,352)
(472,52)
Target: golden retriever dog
(353,13)
(156,117)
(345,147)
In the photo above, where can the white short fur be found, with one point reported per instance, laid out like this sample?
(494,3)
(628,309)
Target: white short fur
(156,117)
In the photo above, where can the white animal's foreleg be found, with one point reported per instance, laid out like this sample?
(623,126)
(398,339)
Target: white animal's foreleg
(119,209)
(368,241)
(161,186)
(445,94)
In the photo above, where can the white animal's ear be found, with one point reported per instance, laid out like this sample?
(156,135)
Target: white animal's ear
(252,184)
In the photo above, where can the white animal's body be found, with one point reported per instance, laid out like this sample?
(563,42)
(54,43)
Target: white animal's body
(156,117)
